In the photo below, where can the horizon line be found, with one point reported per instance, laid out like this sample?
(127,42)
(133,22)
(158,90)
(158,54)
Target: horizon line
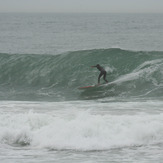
(33,12)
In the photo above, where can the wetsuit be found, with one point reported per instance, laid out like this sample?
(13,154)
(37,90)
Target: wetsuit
(102,73)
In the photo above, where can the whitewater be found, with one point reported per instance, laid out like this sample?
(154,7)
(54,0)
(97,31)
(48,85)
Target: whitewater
(45,58)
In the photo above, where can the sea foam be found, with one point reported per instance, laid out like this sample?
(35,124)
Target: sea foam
(82,130)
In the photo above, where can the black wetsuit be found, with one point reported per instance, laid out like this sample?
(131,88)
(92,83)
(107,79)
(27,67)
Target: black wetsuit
(102,73)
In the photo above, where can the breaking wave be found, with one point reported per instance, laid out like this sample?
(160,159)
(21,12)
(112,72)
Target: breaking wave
(57,77)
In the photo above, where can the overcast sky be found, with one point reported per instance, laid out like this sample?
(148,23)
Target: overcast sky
(147,6)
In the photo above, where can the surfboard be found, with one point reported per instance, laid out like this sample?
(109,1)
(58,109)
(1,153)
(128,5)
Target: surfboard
(85,87)
(92,86)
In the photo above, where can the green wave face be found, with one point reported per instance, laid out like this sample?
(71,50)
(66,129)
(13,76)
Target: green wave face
(57,77)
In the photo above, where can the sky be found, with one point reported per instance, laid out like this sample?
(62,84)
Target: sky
(86,6)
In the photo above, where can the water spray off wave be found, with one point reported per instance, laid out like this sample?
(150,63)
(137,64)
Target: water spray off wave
(57,77)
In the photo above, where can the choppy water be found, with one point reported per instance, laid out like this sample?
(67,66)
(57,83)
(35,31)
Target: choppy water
(44,117)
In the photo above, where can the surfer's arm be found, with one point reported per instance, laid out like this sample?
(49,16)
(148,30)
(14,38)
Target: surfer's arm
(93,66)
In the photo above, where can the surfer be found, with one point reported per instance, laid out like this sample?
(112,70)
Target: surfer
(102,73)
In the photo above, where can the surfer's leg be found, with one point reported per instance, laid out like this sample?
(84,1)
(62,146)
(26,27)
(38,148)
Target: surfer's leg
(105,77)
(99,77)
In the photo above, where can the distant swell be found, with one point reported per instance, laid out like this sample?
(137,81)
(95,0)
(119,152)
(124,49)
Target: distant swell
(57,77)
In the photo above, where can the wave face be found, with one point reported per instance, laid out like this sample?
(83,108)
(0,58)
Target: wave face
(57,77)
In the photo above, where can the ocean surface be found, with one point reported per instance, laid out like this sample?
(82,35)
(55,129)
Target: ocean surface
(45,58)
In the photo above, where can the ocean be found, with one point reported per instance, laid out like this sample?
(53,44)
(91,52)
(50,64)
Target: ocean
(46,57)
